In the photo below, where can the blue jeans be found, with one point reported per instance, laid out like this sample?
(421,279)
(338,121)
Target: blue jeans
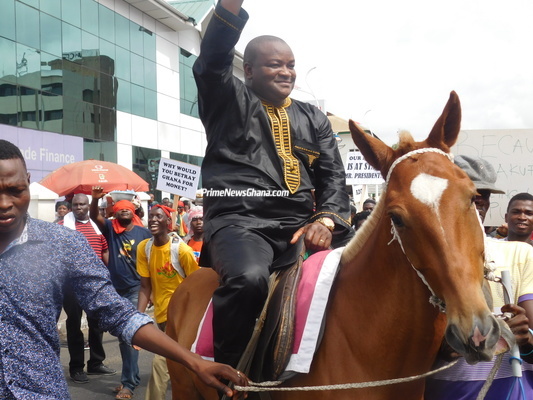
(130,357)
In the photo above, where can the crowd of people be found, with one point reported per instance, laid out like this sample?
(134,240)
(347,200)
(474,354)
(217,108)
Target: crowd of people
(106,260)
(147,261)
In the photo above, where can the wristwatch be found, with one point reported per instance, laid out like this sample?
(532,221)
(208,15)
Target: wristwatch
(327,222)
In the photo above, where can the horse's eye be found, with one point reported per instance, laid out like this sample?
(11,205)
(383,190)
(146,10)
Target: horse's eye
(397,220)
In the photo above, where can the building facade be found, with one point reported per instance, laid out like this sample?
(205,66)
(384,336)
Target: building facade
(108,80)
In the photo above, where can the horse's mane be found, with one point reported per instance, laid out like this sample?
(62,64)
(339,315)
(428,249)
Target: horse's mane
(362,234)
(405,144)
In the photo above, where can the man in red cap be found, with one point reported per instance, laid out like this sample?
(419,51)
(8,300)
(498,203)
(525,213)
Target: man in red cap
(123,234)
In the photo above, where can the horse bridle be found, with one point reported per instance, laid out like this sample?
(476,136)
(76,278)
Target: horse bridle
(489,268)
(433,299)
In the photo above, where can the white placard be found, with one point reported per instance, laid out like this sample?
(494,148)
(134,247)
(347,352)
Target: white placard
(359,172)
(178,178)
(511,154)
(357,193)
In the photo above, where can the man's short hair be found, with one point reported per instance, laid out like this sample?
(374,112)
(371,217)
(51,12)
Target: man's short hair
(8,151)
(360,216)
(369,201)
(520,196)
(250,52)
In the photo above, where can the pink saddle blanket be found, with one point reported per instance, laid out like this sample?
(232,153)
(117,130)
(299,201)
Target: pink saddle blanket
(318,274)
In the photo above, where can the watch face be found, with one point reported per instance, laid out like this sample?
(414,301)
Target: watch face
(327,223)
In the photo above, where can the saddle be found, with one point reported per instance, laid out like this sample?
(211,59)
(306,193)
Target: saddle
(270,347)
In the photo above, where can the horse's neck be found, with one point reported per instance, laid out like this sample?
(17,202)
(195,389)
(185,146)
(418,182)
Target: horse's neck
(386,270)
(381,309)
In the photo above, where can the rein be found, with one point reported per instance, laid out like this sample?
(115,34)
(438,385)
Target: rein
(270,386)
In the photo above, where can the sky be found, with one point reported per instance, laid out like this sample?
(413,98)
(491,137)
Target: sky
(390,65)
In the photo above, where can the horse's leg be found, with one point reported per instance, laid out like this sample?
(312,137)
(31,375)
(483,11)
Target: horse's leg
(185,311)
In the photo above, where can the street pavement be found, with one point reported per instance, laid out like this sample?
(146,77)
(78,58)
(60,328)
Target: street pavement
(101,387)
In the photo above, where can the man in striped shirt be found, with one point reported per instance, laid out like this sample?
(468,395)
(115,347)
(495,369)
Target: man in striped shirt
(79,220)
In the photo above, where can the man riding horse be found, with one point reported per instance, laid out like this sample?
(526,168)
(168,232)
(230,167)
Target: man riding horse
(260,142)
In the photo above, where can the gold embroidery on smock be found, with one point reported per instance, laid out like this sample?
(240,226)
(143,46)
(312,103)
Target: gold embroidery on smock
(281,130)
(311,155)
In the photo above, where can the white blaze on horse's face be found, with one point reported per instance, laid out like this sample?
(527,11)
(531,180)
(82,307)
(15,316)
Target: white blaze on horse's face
(428,189)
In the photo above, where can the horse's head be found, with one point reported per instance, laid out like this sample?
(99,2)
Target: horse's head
(430,203)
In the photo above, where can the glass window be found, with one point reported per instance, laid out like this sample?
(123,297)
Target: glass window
(52,7)
(150,75)
(51,74)
(96,150)
(188,89)
(53,115)
(33,3)
(91,86)
(106,23)
(76,115)
(149,45)
(71,11)
(107,91)
(107,124)
(122,31)
(50,34)
(73,80)
(122,63)
(107,57)
(7,19)
(27,25)
(137,100)
(136,38)
(141,155)
(8,60)
(28,67)
(29,113)
(9,101)
(89,16)
(137,69)
(90,45)
(123,96)
(150,104)
(71,43)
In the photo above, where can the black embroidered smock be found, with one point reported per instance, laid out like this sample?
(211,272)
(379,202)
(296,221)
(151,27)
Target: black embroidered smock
(244,154)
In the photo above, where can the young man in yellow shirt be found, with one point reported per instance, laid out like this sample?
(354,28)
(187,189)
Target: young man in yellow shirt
(163,262)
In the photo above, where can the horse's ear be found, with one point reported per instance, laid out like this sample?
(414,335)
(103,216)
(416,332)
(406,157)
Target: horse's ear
(446,129)
(376,153)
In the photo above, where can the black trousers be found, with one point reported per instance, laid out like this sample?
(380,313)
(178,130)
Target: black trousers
(75,338)
(242,257)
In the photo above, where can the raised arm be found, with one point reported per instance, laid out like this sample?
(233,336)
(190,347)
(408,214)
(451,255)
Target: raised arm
(233,6)
(96,194)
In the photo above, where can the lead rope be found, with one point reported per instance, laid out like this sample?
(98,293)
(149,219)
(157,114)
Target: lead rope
(271,385)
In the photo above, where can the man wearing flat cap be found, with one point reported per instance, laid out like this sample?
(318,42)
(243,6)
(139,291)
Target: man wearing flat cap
(482,173)
(463,381)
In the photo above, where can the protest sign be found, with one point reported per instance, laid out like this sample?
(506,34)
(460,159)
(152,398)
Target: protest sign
(178,178)
(511,154)
(359,172)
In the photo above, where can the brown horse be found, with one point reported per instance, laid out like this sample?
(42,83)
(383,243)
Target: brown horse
(422,240)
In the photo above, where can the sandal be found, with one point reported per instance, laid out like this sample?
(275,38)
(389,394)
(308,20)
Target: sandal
(124,393)
(118,388)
